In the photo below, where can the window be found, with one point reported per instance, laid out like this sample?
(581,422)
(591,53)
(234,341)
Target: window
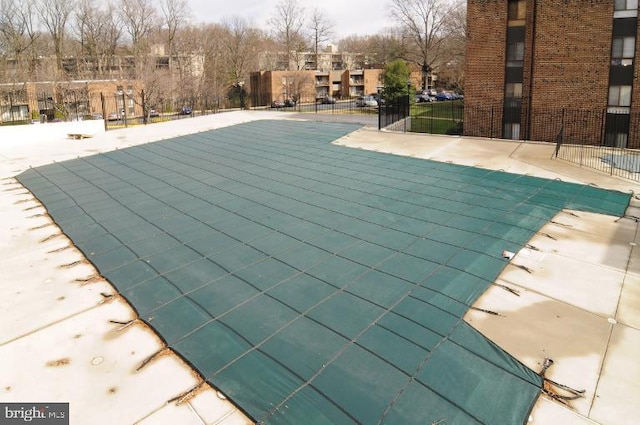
(512,95)
(625,8)
(511,131)
(618,140)
(515,54)
(620,96)
(516,13)
(623,50)
(513,90)
(626,4)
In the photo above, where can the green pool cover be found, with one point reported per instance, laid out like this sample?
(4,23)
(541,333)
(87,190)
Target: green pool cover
(312,283)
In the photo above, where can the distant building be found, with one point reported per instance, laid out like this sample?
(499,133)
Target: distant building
(69,99)
(327,59)
(531,61)
(116,67)
(308,85)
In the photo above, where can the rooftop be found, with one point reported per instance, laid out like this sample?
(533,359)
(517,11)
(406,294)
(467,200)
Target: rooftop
(89,333)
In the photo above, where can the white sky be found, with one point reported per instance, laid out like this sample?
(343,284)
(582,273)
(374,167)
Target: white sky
(360,17)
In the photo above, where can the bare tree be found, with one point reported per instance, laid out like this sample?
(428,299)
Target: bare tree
(455,42)
(175,13)
(54,15)
(214,76)
(99,31)
(239,41)
(321,31)
(287,24)
(422,23)
(139,18)
(18,33)
(298,86)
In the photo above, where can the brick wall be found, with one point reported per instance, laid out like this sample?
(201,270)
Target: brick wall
(572,53)
(569,68)
(485,66)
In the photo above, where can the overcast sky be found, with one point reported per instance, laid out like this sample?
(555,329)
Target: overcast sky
(361,17)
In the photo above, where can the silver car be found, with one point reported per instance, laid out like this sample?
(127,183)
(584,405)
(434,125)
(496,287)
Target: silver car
(364,101)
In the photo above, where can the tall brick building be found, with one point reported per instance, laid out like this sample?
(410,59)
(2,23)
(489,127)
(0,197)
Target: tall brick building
(550,69)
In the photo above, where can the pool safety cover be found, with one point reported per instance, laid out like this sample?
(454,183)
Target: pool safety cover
(313,283)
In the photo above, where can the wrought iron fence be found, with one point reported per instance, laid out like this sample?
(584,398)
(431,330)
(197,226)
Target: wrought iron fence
(131,109)
(598,139)
(366,105)
(119,109)
(444,117)
(394,114)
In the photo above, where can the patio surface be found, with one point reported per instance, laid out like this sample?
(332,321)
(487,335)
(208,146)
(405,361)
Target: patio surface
(349,208)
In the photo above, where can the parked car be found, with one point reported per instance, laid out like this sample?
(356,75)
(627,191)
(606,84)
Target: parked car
(444,96)
(289,102)
(328,100)
(366,101)
(277,104)
(96,116)
(153,113)
(186,110)
(424,97)
(113,116)
(378,98)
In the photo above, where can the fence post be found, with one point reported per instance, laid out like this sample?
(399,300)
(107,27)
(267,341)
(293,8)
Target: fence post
(491,125)
(104,111)
(124,109)
(144,108)
(379,111)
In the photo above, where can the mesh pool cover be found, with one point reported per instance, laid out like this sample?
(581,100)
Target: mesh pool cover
(312,283)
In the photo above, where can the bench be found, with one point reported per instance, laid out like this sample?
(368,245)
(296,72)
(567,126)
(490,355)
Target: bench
(78,136)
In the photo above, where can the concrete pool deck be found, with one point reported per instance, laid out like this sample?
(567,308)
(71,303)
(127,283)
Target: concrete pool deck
(65,338)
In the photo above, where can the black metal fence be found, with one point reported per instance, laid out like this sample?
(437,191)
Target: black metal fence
(394,112)
(598,139)
(131,109)
(356,105)
(121,109)
(445,117)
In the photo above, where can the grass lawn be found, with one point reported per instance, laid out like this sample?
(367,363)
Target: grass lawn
(437,117)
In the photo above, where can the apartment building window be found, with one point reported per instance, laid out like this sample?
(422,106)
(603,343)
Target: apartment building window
(513,90)
(516,14)
(619,99)
(626,4)
(512,130)
(515,54)
(625,8)
(512,95)
(617,130)
(623,51)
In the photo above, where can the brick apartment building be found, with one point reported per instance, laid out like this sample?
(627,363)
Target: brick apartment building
(69,99)
(553,69)
(309,85)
